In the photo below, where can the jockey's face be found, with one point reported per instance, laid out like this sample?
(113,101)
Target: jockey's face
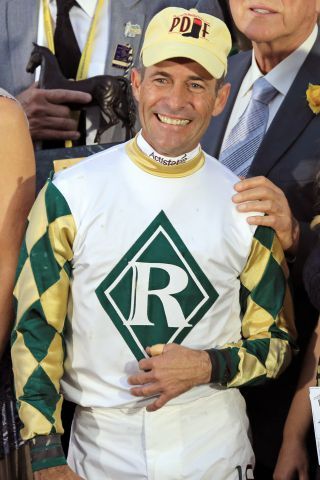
(176,101)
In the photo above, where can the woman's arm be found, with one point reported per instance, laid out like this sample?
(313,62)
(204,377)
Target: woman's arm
(293,459)
(17,189)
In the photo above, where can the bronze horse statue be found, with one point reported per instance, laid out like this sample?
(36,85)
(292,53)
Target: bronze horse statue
(112,94)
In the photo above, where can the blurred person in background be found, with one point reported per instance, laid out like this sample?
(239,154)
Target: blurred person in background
(17,194)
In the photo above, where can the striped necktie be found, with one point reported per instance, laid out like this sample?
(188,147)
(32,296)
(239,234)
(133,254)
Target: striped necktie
(246,136)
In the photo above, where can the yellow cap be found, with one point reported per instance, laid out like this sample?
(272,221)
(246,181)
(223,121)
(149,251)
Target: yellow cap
(176,32)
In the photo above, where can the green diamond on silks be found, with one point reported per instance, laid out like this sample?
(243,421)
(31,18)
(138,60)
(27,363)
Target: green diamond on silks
(157,292)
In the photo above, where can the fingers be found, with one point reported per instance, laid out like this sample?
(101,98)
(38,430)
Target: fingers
(281,225)
(264,206)
(151,391)
(149,381)
(257,194)
(59,128)
(49,117)
(60,96)
(264,195)
(141,378)
(45,134)
(40,108)
(155,350)
(158,403)
(255,182)
(173,372)
(54,123)
(148,384)
(147,391)
(161,348)
(267,221)
(50,110)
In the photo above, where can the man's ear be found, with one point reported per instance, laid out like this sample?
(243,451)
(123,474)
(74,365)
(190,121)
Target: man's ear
(135,83)
(221,99)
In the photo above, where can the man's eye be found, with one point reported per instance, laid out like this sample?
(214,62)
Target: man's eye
(161,80)
(196,86)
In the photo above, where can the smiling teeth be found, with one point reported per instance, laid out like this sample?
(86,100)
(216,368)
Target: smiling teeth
(173,121)
(260,10)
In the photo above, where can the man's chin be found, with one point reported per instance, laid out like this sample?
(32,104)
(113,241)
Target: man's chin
(260,35)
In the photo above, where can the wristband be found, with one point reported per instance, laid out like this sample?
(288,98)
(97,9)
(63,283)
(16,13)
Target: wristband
(46,451)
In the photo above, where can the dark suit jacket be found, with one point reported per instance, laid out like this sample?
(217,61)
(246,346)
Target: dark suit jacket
(289,155)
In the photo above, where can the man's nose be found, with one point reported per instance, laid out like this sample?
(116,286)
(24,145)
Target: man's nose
(178,96)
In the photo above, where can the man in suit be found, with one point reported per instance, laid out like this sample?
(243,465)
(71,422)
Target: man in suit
(22,22)
(279,181)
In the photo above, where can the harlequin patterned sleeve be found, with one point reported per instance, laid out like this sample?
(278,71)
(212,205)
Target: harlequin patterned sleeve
(41,295)
(268,331)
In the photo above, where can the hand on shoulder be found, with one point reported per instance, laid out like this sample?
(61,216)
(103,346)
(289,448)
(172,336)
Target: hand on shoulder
(259,194)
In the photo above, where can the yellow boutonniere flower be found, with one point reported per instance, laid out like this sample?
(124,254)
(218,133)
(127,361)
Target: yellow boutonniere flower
(313,97)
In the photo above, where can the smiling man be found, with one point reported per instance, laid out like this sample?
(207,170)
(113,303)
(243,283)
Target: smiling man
(135,259)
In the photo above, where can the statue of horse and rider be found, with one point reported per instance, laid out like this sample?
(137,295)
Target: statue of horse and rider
(112,94)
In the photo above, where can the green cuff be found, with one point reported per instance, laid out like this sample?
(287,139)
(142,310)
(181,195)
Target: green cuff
(224,364)
(46,451)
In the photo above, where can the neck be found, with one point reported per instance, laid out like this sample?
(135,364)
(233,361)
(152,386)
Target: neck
(165,159)
(139,152)
(269,54)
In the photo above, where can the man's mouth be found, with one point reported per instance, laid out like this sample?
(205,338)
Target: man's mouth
(173,121)
(262,10)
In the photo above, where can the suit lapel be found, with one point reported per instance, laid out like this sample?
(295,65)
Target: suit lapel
(291,119)
(22,31)
(128,11)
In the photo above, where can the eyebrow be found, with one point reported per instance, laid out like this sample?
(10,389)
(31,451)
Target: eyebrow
(161,72)
(196,77)
(167,75)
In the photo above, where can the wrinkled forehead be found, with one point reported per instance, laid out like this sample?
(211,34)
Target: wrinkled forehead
(178,64)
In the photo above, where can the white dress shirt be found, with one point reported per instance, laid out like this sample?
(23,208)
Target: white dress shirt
(81,19)
(281,77)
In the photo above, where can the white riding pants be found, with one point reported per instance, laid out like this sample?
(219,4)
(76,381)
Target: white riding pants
(206,439)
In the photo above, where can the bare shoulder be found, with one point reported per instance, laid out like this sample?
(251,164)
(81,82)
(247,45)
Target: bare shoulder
(16,149)
(11,113)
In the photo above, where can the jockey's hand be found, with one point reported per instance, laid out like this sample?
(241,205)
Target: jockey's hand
(49,117)
(174,370)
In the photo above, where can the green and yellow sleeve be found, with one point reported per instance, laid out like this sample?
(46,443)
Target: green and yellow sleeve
(41,295)
(268,330)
